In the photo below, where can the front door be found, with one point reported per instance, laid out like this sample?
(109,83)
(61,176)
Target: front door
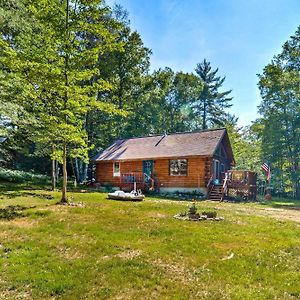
(148,168)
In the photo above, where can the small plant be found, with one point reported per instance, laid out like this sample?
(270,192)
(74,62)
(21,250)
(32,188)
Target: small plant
(209,214)
(192,210)
(182,214)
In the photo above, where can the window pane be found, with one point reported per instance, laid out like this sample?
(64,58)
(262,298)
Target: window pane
(116,170)
(178,167)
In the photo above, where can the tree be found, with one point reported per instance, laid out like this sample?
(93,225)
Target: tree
(211,102)
(171,97)
(58,67)
(13,118)
(280,109)
(246,146)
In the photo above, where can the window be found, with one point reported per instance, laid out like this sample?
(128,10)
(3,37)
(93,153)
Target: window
(217,169)
(116,170)
(178,167)
(222,168)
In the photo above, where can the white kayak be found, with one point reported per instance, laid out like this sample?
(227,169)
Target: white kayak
(132,196)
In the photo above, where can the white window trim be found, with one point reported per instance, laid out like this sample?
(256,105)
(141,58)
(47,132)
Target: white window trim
(116,174)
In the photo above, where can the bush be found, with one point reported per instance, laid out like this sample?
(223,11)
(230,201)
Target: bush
(17,176)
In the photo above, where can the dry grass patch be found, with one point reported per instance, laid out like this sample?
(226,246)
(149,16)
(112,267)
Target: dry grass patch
(176,270)
(156,215)
(22,223)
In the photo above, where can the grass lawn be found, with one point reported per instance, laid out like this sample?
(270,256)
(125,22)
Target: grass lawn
(121,250)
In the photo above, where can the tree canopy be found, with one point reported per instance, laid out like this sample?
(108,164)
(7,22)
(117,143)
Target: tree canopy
(74,76)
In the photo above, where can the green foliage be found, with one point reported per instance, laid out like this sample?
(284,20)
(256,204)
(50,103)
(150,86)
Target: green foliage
(211,102)
(74,77)
(192,209)
(280,109)
(246,147)
(56,61)
(17,176)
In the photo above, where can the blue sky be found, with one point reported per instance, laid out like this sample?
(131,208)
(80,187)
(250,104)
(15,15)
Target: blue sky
(238,36)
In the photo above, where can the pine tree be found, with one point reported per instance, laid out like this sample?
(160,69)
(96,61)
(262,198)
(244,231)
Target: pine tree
(212,102)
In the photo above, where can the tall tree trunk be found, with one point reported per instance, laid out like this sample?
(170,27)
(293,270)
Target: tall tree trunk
(77,170)
(204,126)
(85,172)
(53,174)
(64,198)
(56,171)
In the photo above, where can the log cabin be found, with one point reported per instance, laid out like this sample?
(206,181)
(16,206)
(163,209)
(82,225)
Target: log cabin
(183,162)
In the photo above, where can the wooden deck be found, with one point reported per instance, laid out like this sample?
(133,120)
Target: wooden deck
(138,180)
(236,184)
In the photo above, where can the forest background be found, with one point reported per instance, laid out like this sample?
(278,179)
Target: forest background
(74,77)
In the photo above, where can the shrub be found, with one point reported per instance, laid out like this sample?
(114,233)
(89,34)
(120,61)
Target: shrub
(192,209)
(210,214)
(17,176)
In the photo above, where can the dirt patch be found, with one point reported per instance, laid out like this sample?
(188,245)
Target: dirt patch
(241,223)
(14,294)
(130,254)
(58,208)
(23,223)
(281,214)
(276,213)
(176,270)
(69,253)
(72,204)
(156,215)
(284,214)
(127,254)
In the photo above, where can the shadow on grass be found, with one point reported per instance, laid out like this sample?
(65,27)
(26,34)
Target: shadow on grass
(278,202)
(10,186)
(15,194)
(293,205)
(11,190)
(13,211)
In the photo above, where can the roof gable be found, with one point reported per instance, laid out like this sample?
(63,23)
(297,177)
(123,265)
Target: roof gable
(200,143)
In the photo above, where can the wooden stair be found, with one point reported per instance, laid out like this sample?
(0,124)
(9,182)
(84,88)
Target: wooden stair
(215,192)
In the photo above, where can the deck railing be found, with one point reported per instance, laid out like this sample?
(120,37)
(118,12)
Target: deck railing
(210,185)
(225,186)
(139,180)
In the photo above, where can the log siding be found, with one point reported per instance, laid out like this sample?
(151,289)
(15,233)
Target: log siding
(198,172)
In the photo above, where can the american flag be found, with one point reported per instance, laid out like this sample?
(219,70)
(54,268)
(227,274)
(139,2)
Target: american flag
(266,168)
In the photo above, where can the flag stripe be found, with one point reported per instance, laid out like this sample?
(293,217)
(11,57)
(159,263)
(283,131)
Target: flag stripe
(267,170)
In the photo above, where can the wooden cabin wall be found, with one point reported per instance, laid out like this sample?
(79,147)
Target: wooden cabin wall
(198,172)
(104,171)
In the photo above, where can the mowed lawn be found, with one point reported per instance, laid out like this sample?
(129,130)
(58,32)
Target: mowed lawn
(121,250)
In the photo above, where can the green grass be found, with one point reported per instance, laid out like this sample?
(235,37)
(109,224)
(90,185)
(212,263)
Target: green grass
(278,202)
(121,250)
